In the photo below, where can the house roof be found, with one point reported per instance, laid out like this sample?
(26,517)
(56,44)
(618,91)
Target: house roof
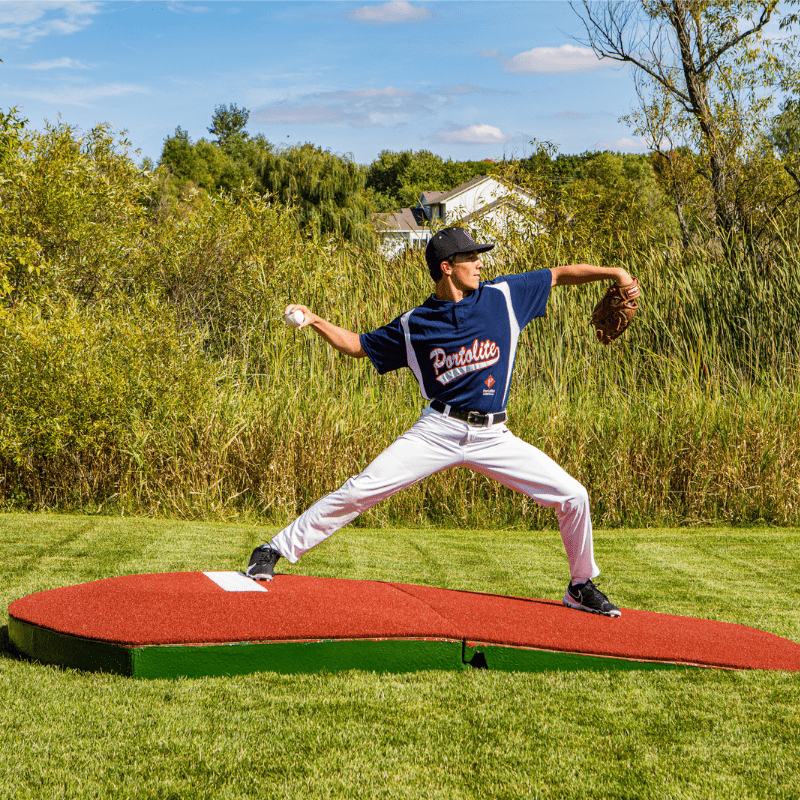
(406,219)
(441,197)
(426,198)
(414,219)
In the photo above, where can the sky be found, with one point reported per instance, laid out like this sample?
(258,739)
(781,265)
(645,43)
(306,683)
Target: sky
(466,79)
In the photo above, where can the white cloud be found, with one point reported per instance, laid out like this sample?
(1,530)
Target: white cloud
(82,96)
(572,116)
(20,13)
(297,114)
(359,108)
(57,63)
(179,7)
(467,88)
(474,134)
(550,60)
(391,13)
(625,145)
(388,93)
(27,21)
(378,107)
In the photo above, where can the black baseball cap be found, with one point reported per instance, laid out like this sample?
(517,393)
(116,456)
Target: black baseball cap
(450,242)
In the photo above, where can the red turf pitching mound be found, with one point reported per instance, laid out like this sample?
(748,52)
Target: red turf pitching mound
(218,623)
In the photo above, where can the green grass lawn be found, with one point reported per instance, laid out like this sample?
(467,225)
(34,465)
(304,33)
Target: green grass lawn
(477,734)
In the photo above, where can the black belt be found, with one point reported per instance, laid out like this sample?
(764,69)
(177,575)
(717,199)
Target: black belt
(470,417)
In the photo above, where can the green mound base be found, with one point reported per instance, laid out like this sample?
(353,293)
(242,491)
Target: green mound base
(290,657)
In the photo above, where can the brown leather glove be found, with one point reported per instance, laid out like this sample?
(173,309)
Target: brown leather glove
(614,312)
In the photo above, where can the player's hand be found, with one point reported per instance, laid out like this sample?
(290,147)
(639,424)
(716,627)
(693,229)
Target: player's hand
(309,317)
(623,278)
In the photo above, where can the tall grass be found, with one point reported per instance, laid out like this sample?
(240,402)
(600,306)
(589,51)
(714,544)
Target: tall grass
(678,434)
(167,384)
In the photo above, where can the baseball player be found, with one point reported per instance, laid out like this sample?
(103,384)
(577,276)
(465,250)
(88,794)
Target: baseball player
(460,345)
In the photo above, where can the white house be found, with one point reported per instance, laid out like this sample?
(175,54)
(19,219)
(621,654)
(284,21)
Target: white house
(484,202)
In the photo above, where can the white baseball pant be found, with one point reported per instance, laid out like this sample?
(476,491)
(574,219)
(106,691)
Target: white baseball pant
(437,442)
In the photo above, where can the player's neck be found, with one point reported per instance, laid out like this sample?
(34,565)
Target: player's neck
(447,291)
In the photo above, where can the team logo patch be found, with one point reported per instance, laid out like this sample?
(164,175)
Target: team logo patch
(449,366)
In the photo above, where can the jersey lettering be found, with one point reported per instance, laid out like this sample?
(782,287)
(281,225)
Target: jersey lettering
(467,359)
(463,359)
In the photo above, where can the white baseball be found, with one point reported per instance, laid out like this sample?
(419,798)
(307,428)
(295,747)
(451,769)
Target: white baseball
(295,319)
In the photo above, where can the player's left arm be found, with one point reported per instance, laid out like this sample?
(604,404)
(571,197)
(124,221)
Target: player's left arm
(576,274)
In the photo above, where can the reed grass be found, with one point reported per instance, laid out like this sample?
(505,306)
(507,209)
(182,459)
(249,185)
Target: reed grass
(675,424)
(168,384)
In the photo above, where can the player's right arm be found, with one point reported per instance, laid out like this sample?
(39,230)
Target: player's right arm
(340,339)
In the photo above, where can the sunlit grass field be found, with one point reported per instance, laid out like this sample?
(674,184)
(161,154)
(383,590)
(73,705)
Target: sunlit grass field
(478,734)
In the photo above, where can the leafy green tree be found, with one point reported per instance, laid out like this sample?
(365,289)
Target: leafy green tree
(243,165)
(705,73)
(784,136)
(620,194)
(234,160)
(402,177)
(397,179)
(184,160)
(785,129)
(70,207)
(326,192)
(678,172)
(18,252)
(592,201)
(229,122)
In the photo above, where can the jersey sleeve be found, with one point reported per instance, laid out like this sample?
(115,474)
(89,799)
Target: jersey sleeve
(386,347)
(529,294)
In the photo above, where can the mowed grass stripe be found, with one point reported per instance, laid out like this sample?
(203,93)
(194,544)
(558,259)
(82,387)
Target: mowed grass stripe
(687,734)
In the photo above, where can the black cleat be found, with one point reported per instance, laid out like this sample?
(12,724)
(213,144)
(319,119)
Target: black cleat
(262,563)
(587,597)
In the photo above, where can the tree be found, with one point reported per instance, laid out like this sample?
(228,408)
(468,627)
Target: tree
(70,205)
(398,179)
(229,122)
(234,160)
(784,136)
(182,158)
(705,74)
(592,202)
(326,191)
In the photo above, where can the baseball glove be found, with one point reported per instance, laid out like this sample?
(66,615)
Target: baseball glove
(614,312)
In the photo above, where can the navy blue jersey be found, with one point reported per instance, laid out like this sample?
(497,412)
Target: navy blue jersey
(463,353)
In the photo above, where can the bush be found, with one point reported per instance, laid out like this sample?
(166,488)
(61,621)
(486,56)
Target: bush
(80,385)
(73,212)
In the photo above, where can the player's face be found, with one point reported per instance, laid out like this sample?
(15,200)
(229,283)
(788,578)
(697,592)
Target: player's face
(466,273)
